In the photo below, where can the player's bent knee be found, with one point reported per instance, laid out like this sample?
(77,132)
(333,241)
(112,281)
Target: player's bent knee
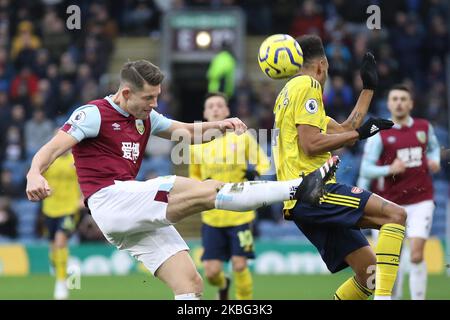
(190,283)
(400,216)
(239,265)
(212,272)
(397,215)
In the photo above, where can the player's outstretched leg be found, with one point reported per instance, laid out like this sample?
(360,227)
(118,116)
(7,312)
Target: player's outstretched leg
(189,196)
(390,219)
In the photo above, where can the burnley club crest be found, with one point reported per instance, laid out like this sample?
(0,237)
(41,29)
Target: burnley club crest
(421,136)
(140,126)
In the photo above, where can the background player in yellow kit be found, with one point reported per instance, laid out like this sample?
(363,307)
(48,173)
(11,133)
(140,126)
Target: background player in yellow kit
(226,235)
(60,210)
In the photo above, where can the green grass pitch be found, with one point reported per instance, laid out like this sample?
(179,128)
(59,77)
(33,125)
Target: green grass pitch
(141,286)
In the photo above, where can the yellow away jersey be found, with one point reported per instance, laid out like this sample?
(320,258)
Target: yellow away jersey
(65,197)
(299,102)
(226,159)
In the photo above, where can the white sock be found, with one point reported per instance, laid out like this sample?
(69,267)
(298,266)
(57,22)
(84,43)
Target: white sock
(382,298)
(188,296)
(397,291)
(250,195)
(418,280)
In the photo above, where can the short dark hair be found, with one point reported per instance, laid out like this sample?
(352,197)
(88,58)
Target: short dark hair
(216,94)
(312,47)
(400,87)
(137,72)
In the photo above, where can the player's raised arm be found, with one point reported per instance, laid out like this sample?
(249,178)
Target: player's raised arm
(369,78)
(37,186)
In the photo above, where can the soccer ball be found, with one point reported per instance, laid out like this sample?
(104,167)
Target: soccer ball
(280,56)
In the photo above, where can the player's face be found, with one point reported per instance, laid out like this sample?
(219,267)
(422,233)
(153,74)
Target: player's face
(141,102)
(399,103)
(216,109)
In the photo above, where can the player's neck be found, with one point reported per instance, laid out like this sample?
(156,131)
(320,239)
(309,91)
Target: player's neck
(312,73)
(116,98)
(401,121)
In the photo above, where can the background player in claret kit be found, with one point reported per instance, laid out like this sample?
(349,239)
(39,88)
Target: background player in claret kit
(61,215)
(226,235)
(108,137)
(399,162)
(333,226)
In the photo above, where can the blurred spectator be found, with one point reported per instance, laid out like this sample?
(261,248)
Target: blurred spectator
(5,111)
(24,44)
(308,20)
(6,70)
(141,18)
(38,131)
(437,40)
(68,67)
(9,187)
(339,97)
(15,141)
(407,43)
(24,86)
(8,220)
(55,37)
(41,63)
(67,97)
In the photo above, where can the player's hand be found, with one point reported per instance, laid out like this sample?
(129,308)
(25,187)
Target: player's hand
(251,174)
(397,167)
(37,187)
(368,72)
(234,124)
(373,126)
(434,166)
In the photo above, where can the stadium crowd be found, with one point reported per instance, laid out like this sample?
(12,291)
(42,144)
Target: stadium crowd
(47,71)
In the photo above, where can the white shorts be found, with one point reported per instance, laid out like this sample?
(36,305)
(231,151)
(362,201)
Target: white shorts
(419,220)
(132,216)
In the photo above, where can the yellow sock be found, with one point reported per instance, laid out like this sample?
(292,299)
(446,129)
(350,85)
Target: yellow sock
(352,290)
(60,257)
(244,284)
(388,249)
(219,280)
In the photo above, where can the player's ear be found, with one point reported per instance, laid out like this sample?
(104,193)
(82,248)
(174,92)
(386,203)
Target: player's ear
(126,92)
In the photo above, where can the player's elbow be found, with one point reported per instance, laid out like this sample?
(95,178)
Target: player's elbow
(310,148)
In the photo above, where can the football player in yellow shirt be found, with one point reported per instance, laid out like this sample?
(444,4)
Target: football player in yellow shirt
(60,210)
(303,139)
(226,235)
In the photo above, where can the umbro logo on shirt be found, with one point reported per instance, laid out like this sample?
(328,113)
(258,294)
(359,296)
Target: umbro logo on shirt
(116,126)
(374,128)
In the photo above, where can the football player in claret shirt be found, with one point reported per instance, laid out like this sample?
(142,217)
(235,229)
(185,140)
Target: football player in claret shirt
(399,162)
(226,235)
(108,137)
(304,136)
